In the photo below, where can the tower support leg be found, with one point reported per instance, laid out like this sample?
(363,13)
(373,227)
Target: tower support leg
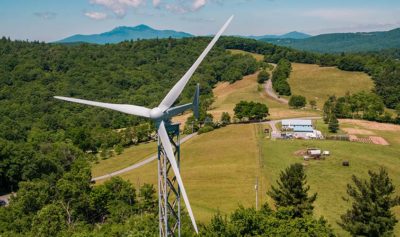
(168,190)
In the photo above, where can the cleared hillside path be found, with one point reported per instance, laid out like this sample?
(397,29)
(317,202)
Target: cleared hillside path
(271,92)
(139,164)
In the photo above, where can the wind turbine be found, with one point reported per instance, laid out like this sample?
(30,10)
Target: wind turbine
(161,115)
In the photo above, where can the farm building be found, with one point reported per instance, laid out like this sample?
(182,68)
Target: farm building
(296,125)
(300,129)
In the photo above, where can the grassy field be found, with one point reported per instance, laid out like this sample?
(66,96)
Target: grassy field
(228,95)
(129,157)
(258,57)
(328,177)
(219,177)
(223,175)
(317,83)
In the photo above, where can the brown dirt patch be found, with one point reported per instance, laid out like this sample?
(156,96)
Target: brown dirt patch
(357,131)
(379,140)
(372,125)
(371,139)
(300,153)
(353,138)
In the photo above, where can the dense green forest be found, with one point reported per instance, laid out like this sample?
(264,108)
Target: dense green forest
(139,73)
(343,42)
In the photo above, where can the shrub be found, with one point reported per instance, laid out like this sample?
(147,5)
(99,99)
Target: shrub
(205,129)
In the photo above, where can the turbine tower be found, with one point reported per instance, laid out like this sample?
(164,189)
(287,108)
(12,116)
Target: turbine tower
(169,206)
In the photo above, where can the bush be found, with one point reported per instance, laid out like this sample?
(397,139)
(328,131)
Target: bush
(205,129)
(297,101)
(262,77)
(225,118)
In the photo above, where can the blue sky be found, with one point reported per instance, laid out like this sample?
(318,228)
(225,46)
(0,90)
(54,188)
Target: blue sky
(50,20)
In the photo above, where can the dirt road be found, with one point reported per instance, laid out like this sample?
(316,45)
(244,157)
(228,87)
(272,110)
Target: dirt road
(270,92)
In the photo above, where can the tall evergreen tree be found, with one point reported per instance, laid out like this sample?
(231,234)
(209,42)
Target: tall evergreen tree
(292,191)
(370,214)
(333,125)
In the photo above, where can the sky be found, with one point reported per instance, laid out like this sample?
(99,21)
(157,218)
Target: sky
(51,20)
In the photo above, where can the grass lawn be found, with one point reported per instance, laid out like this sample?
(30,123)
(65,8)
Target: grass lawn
(218,169)
(318,83)
(328,177)
(129,156)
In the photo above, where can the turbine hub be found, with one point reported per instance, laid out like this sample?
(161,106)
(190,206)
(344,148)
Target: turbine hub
(156,113)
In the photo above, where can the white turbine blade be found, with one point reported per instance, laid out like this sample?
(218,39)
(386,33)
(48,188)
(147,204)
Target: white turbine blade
(162,134)
(174,93)
(129,109)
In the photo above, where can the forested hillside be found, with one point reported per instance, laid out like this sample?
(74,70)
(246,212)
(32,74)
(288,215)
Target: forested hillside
(34,124)
(343,42)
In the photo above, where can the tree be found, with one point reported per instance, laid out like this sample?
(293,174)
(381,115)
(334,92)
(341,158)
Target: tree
(191,125)
(328,109)
(370,214)
(262,77)
(147,198)
(297,101)
(333,124)
(118,149)
(225,118)
(313,104)
(292,191)
(49,221)
(265,222)
(250,110)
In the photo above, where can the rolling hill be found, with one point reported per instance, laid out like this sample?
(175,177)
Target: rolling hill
(343,42)
(290,35)
(123,33)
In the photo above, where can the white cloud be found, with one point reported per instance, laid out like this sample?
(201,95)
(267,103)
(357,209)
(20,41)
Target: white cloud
(96,15)
(119,7)
(197,4)
(182,6)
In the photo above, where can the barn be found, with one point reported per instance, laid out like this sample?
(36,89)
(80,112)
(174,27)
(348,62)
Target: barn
(300,128)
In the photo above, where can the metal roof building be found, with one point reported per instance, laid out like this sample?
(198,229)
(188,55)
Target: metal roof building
(296,122)
(297,125)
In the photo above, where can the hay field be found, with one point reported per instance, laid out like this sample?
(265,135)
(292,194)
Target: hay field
(317,83)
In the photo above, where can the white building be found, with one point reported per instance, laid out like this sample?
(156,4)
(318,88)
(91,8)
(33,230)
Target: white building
(300,128)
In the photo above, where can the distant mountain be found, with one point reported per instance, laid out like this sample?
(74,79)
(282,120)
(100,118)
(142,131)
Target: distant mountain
(343,42)
(123,33)
(290,35)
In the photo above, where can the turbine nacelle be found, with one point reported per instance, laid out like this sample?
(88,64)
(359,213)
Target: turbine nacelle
(156,113)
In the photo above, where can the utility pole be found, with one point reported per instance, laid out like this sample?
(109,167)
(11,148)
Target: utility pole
(256,188)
